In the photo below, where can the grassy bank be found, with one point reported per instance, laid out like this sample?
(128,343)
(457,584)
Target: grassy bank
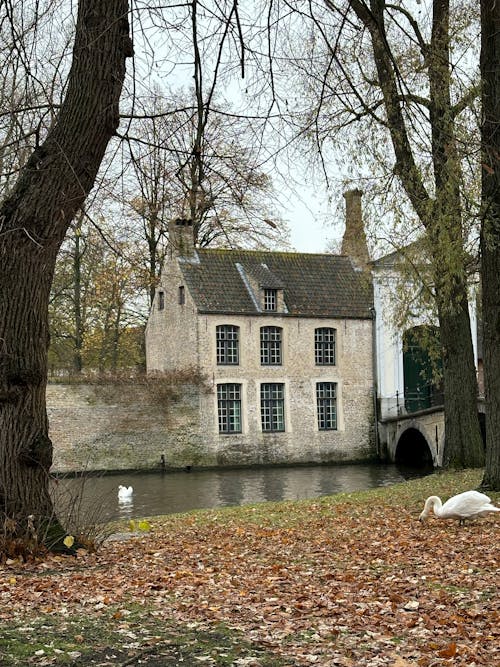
(352,579)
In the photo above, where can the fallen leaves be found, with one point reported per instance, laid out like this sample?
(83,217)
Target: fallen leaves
(357,586)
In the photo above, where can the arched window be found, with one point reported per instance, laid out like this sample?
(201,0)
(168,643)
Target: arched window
(326,403)
(229,408)
(272,406)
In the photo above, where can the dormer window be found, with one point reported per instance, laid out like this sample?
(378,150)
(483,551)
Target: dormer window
(270,299)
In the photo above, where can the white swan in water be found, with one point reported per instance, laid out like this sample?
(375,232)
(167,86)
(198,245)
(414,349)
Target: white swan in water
(467,505)
(125,492)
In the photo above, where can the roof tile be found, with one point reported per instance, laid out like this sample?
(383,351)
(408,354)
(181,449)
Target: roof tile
(314,285)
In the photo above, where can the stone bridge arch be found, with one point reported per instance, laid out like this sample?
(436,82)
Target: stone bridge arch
(414,449)
(416,440)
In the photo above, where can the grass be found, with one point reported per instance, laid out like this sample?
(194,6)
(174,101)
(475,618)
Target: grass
(410,495)
(123,637)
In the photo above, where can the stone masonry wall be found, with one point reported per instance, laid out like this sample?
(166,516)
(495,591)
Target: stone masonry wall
(122,427)
(172,332)
(111,427)
(302,441)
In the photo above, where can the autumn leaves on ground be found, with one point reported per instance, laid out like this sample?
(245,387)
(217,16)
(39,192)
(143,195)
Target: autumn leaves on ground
(348,580)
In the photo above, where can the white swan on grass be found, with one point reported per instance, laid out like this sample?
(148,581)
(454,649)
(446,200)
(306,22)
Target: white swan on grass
(467,505)
(125,492)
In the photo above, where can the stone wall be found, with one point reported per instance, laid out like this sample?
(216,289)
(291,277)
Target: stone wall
(302,441)
(112,427)
(172,328)
(122,426)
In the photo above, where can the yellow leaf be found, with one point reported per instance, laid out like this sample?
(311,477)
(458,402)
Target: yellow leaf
(12,580)
(131,525)
(144,525)
(68,541)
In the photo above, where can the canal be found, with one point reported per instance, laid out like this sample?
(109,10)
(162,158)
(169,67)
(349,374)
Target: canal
(95,498)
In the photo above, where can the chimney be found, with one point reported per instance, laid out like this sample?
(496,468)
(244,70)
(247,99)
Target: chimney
(180,238)
(354,241)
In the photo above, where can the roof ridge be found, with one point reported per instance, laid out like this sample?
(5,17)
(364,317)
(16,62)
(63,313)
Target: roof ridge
(271,252)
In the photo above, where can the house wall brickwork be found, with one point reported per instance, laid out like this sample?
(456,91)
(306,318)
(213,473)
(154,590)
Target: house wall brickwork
(302,441)
(172,332)
(124,427)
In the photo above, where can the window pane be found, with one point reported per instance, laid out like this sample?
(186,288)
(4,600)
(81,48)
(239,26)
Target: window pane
(326,402)
(270,299)
(272,406)
(229,408)
(270,346)
(227,342)
(324,346)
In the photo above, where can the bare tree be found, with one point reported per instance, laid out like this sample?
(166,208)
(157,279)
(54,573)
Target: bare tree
(385,65)
(231,205)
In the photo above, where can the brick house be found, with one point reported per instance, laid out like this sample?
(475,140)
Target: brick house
(285,340)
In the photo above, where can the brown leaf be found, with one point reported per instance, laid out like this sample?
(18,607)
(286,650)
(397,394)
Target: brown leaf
(448,652)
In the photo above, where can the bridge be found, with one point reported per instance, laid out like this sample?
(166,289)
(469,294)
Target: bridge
(416,438)
(408,371)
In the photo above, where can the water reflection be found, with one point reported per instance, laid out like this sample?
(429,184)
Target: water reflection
(126,507)
(167,493)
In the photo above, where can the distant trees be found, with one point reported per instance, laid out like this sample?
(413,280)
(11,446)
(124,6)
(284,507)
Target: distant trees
(97,311)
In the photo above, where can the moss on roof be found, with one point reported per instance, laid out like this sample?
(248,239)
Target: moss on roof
(314,285)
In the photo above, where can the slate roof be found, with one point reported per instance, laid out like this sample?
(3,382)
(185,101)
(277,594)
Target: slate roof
(313,285)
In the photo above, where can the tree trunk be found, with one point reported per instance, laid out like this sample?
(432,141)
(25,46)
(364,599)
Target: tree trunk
(490,234)
(77,298)
(35,217)
(463,443)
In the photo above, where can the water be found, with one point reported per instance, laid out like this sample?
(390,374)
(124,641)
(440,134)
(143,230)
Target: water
(168,493)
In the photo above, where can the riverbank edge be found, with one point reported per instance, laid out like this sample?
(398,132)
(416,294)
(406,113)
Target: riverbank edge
(441,482)
(217,468)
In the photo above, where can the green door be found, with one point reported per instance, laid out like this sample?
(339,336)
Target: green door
(419,368)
